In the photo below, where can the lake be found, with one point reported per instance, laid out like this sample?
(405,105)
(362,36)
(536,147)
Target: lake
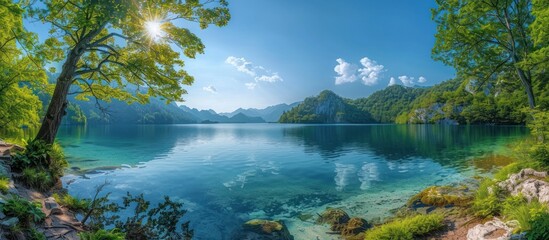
(227,174)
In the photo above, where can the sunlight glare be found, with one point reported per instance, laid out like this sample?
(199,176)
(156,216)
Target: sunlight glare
(154,29)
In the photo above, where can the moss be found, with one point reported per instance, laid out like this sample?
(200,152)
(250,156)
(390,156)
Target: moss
(266,226)
(406,228)
(442,196)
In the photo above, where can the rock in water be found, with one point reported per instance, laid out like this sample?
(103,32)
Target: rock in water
(260,229)
(335,217)
(355,226)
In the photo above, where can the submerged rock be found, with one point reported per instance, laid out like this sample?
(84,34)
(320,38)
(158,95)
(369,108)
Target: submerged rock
(260,229)
(355,226)
(494,230)
(441,196)
(528,183)
(335,217)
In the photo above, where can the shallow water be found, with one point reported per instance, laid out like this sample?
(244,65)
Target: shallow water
(227,174)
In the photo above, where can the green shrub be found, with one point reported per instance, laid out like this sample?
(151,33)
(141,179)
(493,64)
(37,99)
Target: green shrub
(36,154)
(102,235)
(27,212)
(37,179)
(407,228)
(539,229)
(74,204)
(540,152)
(518,208)
(486,202)
(4,184)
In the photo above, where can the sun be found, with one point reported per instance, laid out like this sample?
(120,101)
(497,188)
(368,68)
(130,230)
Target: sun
(154,30)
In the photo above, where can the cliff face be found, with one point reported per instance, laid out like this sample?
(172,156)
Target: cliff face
(327,107)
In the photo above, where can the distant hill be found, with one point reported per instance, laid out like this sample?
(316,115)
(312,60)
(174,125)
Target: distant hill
(383,106)
(269,114)
(327,107)
(210,116)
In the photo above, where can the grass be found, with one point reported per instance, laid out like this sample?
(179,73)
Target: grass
(102,235)
(486,202)
(73,203)
(37,179)
(406,228)
(518,208)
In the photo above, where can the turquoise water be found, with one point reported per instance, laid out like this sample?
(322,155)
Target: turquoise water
(227,174)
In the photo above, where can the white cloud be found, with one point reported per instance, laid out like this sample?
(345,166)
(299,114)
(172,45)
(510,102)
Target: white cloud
(346,72)
(422,79)
(260,73)
(241,65)
(269,78)
(370,73)
(407,81)
(210,89)
(251,85)
(392,81)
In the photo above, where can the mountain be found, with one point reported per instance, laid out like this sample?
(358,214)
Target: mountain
(210,116)
(387,104)
(327,107)
(269,114)
(118,112)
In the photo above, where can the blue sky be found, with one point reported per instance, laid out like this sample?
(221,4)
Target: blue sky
(281,51)
(300,42)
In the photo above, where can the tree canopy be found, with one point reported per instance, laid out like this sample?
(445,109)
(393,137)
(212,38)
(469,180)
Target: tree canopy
(108,46)
(20,71)
(489,41)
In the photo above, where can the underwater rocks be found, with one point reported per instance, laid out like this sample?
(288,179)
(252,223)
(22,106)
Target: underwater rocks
(527,182)
(441,196)
(260,229)
(341,223)
(335,217)
(494,230)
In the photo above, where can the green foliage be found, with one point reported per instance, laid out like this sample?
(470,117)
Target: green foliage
(26,211)
(75,115)
(101,234)
(539,227)
(517,208)
(486,202)
(475,37)
(407,228)
(4,184)
(384,106)
(73,203)
(37,179)
(21,71)
(41,164)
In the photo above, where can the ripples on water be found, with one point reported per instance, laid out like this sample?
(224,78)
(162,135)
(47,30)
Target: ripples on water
(229,173)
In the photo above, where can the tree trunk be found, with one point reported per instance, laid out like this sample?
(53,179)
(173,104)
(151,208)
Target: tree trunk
(527,84)
(58,103)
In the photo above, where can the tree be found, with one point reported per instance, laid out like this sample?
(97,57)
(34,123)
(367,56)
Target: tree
(20,72)
(108,45)
(484,39)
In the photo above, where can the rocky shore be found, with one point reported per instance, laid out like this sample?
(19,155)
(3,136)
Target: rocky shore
(59,223)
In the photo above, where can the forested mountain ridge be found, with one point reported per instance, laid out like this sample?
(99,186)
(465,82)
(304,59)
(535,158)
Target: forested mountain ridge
(327,107)
(451,102)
